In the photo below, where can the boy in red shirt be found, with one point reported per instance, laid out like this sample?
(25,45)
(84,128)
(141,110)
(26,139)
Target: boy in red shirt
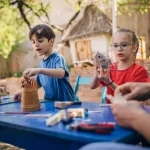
(125,46)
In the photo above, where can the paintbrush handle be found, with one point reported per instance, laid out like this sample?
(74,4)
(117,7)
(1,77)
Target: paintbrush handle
(15,112)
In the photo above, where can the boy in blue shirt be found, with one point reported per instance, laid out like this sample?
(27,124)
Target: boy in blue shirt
(52,73)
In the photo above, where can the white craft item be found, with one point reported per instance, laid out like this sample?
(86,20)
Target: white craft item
(38,115)
(56,118)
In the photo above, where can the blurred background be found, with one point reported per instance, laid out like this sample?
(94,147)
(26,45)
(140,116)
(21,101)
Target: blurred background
(82,27)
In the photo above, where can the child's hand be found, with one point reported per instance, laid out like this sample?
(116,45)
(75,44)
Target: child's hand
(25,81)
(103,74)
(31,72)
(17,96)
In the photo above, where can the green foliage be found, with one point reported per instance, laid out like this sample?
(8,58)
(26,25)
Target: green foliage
(69,67)
(11,30)
(4,3)
(131,6)
(17,74)
(38,9)
(13,25)
(8,75)
(123,6)
(77,4)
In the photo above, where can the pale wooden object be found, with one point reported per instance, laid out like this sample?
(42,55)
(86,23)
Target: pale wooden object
(56,118)
(60,104)
(38,115)
(80,112)
(3,93)
(30,100)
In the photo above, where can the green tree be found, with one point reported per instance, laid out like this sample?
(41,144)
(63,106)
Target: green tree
(131,6)
(11,30)
(15,15)
(124,6)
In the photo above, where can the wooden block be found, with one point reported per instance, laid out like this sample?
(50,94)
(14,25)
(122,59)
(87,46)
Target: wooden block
(56,118)
(59,104)
(80,112)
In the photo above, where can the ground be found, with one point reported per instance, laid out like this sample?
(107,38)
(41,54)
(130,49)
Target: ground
(4,146)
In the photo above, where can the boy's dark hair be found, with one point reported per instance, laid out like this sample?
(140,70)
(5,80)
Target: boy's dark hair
(133,36)
(42,30)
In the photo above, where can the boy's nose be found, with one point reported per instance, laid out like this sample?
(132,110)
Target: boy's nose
(36,44)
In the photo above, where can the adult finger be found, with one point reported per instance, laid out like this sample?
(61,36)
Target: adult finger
(123,89)
(131,96)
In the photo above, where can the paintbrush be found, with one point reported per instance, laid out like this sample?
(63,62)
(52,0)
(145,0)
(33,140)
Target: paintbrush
(15,112)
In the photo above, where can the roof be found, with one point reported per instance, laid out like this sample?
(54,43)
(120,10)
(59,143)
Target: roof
(93,22)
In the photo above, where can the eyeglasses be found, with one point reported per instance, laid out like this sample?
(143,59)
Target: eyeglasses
(123,46)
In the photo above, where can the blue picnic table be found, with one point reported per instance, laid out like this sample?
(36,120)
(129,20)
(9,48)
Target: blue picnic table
(32,133)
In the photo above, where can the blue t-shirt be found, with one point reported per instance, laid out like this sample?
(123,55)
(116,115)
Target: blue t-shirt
(55,89)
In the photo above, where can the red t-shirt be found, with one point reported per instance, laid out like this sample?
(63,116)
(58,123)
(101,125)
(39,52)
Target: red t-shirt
(135,73)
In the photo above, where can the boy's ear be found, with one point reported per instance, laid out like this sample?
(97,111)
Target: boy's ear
(52,41)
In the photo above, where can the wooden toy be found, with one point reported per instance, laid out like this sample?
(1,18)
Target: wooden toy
(3,92)
(101,59)
(30,100)
(60,104)
(56,118)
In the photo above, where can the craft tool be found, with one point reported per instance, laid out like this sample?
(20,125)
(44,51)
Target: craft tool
(39,115)
(60,104)
(15,112)
(100,128)
(105,105)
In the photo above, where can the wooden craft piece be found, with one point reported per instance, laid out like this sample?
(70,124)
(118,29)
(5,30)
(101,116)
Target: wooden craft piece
(56,118)
(3,92)
(60,104)
(30,100)
(80,112)
(101,59)
(38,115)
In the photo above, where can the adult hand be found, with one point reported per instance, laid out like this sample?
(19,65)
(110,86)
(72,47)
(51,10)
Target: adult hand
(134,91)
(29,72)
(127,113)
